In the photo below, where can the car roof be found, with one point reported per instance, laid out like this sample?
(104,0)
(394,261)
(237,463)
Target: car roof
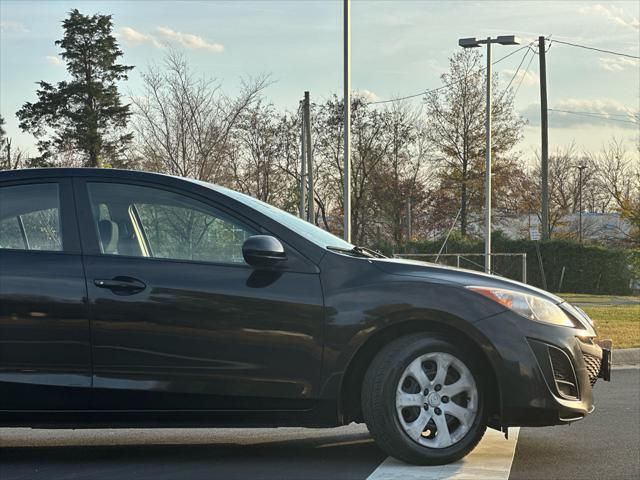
(28,173)
(194,186)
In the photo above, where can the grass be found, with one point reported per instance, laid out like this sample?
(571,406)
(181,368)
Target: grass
(586,299)
(621,323)
(616,317)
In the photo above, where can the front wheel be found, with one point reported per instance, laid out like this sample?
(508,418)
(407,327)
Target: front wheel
(422,401)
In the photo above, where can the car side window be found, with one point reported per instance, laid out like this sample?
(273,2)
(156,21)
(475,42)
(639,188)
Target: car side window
(30,217)
(151,222)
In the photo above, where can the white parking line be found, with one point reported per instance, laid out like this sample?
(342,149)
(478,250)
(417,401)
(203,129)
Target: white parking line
(491,459)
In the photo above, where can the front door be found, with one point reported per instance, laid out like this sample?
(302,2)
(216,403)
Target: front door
(45,357)
(179,320)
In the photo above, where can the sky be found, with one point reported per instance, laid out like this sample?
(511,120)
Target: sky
(398,48)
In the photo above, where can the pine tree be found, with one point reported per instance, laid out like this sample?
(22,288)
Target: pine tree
(83,117)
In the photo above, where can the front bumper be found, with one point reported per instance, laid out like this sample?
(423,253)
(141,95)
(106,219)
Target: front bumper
(571,377)
(545,373)
(598,360)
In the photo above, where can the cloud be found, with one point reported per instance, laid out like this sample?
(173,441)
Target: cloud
(131,36)
(613,14)
(54,60)
(13,27)
(617,64)
(602,112)
(189,40)
(527,78)
(366,95)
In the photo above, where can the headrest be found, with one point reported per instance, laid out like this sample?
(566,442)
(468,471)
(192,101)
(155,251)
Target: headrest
(108,231)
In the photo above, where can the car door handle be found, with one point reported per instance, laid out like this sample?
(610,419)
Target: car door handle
(121,285)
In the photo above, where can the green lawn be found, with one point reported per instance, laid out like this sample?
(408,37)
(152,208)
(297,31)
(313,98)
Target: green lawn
(616,317)
(586,299)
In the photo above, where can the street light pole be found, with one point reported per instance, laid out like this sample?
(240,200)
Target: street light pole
(346,200)
(487,168)
(472,43)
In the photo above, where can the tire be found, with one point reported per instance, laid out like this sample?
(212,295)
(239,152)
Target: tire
(394,412)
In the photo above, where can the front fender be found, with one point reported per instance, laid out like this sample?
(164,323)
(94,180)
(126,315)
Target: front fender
(361,301)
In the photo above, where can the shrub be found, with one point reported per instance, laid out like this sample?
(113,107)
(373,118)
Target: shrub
(587,268)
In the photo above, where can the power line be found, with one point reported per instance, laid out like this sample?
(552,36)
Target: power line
(412,96)
(596,49)
(514,75)
(624,115)
(600,116)
(425,92)
(526,70)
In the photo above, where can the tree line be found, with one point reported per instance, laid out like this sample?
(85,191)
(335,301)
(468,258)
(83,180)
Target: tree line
(415,168)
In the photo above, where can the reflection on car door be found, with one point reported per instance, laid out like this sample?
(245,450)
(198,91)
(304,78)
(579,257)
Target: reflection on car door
(44,328)
(179,321)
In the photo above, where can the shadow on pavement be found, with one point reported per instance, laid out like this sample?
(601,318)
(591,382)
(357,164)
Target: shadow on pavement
(351,456)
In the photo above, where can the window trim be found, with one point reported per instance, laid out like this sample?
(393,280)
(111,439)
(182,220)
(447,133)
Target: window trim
(141,234)
(23,232)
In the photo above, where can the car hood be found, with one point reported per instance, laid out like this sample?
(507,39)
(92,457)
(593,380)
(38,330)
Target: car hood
(457,276)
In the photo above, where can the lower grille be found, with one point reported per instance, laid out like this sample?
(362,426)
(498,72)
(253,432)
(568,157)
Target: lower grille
(563,373)
(593,367)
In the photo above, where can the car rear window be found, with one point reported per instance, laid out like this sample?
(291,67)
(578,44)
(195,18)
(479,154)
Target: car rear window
(30,217)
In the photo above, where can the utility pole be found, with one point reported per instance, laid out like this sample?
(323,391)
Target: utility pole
(544,126)
(303,163)
(472,43)
(580,169)
(9,167)
(347,121)
(306,114)
(409,232)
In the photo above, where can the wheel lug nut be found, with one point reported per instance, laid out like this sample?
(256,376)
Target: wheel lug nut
(438,411)
(426,406)
(426,391)
(438,388)
(445,399)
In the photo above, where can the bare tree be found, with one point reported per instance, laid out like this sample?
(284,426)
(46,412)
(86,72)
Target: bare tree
(264,156)
(456,116)
(619,176)
(564,184)
(403,178)
(369,148)
(183,121)
(10,158)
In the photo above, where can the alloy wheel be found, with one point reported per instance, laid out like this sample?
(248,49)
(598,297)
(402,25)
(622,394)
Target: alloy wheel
(436,400)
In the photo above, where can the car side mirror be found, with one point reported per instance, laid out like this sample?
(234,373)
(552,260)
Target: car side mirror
(263,251)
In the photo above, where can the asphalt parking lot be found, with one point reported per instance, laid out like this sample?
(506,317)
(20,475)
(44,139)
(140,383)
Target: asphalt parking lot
(605,445)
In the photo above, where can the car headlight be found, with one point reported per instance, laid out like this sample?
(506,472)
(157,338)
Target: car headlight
(585,316)
(579,314)
(529,306)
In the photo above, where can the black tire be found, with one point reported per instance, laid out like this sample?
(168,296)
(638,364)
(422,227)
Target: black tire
(379,401)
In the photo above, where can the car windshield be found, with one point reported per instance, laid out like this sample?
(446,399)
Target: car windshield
(307,230)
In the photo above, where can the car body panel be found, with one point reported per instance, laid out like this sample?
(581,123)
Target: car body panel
(390,299)
(45,357)
(459,276)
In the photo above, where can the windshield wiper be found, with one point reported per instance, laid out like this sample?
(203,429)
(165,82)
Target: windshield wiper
(374,253)
(359,251)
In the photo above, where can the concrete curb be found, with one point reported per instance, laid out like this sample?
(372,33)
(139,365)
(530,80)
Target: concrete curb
(626,357)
